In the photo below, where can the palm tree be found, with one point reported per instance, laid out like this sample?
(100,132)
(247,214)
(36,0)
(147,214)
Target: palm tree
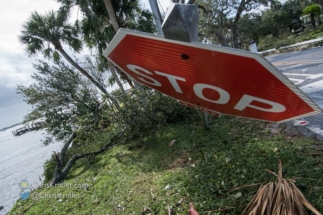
(40,32)
(102,19)
(314,9)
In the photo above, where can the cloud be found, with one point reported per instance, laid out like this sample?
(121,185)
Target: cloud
(9,96)
(12,107)
(15,69)
(16,111)
(15,66)
(13,14)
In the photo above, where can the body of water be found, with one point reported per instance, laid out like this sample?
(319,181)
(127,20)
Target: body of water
(21,158)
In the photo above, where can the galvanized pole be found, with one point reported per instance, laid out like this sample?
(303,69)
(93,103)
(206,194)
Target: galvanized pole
(181,24)
(253,46)
(156,12)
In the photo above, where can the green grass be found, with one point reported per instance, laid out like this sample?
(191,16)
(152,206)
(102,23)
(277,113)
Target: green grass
(209,168)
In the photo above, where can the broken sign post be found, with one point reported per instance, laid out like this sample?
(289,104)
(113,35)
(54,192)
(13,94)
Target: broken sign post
(181,24)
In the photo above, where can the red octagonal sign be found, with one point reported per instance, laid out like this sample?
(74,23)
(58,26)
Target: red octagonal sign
(210,78)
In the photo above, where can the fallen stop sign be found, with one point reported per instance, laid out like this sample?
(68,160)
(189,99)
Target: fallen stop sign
(210,78)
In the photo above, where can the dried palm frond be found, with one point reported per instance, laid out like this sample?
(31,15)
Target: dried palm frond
(279,198)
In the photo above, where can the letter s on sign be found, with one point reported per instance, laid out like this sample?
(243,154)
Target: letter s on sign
(135,69)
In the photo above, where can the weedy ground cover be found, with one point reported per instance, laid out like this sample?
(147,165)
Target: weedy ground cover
(270,42)
(219,170)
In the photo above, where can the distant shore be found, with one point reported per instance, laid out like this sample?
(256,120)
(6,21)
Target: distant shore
(6,128)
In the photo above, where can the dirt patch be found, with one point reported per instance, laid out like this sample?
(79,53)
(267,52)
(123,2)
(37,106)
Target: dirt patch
(180,162)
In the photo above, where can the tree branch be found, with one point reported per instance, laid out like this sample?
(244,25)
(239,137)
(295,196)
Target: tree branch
(65,147)
(61,174)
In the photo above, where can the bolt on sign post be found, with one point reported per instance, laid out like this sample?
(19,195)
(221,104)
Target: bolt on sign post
(213,79)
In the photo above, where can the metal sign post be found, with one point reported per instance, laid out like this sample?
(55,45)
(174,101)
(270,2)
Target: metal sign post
(181,24)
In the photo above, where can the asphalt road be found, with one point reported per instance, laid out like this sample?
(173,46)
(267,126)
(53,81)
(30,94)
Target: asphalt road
(305,69)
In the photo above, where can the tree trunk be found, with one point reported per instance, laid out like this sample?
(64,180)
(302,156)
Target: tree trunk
(319,19)
(85,73)
(115,25)
(61,173)
(114,74)
(221,38)
(58,175)
(130,83)
(313,20)
(125,77)
(235,36)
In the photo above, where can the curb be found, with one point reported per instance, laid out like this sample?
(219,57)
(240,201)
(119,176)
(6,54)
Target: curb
(294,47)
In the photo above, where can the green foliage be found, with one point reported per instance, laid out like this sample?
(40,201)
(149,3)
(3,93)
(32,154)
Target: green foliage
(94,25)
(249,28)
(143,111)
(220,19)
(223,20)
(313,9)
(218,170)
(144,22)
(49,168)
(270,42)
(40,32)
(318,30)
(52,28)
(281,17)
(63,97)
(69,103)
(50,164)
(267,41)
(96,28)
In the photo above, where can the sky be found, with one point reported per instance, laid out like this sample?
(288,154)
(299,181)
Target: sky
(15,66)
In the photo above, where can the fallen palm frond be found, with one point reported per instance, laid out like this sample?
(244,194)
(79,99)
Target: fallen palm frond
(191,210)
(279,198)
